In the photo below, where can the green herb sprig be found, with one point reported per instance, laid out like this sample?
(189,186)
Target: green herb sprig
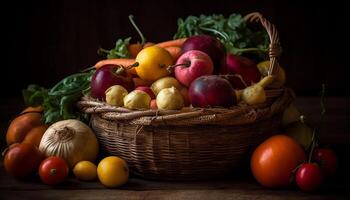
(232,31)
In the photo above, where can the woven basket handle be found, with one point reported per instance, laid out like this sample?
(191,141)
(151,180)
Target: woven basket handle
(274,47)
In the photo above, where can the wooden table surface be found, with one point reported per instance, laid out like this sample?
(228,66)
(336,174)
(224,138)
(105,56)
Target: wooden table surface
(335,131)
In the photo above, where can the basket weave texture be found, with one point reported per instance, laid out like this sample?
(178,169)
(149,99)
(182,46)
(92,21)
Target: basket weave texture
(192,143)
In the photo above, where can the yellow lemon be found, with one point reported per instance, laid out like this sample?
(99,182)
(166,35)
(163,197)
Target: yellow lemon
(112,171)
(153,62)
(85,170)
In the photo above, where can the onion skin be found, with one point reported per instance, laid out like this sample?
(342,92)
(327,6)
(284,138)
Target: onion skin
(71,140)
(108,76)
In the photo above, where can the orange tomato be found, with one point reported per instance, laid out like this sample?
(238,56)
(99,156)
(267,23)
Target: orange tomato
(274,160)
(35,134)
(28,124)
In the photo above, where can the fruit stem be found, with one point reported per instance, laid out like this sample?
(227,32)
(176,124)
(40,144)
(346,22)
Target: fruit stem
(143,39)
(136,64)
(317,130)
(87,69)
(53,172)
(313,144)
(171,67)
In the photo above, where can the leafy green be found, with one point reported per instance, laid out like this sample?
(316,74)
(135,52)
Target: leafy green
(119,51)
(233,32)
(59,101)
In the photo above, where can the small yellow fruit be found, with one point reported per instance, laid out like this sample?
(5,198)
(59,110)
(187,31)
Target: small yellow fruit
(291,114)
(280,77)
(115,95)
(137,99)
(165,82)
(301,132)
(112,171)
(170,99)
(153,62)
(85,171)
(254,94)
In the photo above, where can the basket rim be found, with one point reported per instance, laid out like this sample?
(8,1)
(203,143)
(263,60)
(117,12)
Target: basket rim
(235,115)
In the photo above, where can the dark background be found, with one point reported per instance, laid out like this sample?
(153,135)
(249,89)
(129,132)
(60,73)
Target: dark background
(44,41)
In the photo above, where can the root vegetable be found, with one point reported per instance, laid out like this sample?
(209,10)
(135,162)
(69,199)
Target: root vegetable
(71,140)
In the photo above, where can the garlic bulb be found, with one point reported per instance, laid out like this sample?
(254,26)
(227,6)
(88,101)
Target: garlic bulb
(71,140)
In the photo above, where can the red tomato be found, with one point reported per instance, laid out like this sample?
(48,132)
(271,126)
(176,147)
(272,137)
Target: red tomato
(327,160)
(22,160)
(53,170)
(274,160)
(309,177)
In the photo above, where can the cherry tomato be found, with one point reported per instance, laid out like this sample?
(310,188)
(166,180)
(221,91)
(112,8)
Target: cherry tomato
(309,177)
(22,160)
(53,170)
(274,160)
(327,160)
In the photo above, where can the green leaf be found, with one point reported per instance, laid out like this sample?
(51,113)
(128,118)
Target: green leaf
(59,101)
(119,51)
(231,31)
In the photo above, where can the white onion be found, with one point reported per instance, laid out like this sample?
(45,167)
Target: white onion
(71,140)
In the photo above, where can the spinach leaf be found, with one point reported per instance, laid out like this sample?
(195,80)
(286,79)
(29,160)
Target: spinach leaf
(59,101)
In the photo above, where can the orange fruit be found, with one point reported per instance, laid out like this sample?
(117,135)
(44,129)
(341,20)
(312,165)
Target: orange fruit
(21,125)
(153,62)
(274,160)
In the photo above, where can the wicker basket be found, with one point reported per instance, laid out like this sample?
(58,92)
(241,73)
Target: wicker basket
(193,143)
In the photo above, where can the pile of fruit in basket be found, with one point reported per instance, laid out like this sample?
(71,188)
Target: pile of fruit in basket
(205,65)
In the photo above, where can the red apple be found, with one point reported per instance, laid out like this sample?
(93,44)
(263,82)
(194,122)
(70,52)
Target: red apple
(107,76)
(207,91)
(148,90)
(192,65)
(209,45)
(243,66)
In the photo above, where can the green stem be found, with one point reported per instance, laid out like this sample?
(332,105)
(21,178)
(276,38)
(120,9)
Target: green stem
(143,39)
(250,49)
(313,144)
(317,130)
(223,35)
(102,51)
